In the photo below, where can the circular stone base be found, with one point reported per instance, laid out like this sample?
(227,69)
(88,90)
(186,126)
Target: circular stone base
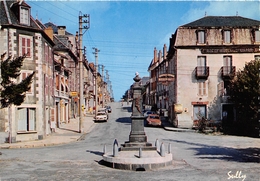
(130,160)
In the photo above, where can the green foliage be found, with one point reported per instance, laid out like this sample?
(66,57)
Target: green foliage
(11,92)
(245,92)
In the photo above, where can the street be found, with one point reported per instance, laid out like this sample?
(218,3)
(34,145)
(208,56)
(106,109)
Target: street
(195,156)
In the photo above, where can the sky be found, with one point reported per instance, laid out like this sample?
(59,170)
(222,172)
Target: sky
(126,32)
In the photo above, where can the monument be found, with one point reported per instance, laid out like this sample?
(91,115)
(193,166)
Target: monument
(137,137)
(137,153)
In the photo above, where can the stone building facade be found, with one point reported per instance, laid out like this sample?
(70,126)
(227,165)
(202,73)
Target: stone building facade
(204,56)
(19,35)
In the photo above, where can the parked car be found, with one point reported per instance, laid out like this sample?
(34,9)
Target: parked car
(153,120)
(102,110)
(109,109)
(101,116)
(147,113)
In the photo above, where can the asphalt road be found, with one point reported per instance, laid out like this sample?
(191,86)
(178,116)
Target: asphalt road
(195,156)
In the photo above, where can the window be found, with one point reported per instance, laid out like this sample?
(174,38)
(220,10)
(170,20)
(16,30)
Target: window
(257,36)
(57,82)
(202,88)
(199,111)
(26,119)
(227,65)
(47,85)
(221,89)
(201,36)
(23,76)
(46,53)
(25,45)
(227,36)
(66,86)
(201,65)
(24,16)
(62,84)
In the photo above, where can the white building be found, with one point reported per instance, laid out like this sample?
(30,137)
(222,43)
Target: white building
(204,56)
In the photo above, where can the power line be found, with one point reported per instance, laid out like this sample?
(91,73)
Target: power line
(76,10)
(62,9)
(74,22)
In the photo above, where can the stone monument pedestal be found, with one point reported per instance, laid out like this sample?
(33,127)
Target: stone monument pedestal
(137,137)
(137,153)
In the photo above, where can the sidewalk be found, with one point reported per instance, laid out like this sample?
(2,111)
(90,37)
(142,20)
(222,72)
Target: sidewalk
(169,127)
(67,133)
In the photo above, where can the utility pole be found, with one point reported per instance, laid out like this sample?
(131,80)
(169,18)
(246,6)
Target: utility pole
(81,76)
(108,85)
(103,81)
(96,78)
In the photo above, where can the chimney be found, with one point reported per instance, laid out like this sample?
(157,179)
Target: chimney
(164,51)
(154,55)
(49,32)
(160,56)
(61,30)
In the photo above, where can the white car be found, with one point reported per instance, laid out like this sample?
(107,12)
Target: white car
(101,116)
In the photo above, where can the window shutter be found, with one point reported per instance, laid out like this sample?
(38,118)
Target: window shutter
(227,36)
(57,82)
(201,37)
(26,16)
(20,46)
(31,119)
(22,120)
(257,36)
(23,46)
(22,15)
(31,47)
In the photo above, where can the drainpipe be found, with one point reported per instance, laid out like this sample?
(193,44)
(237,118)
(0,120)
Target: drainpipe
(9,107)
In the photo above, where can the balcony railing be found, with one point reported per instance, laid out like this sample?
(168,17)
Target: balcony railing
(228,72)
(202,72)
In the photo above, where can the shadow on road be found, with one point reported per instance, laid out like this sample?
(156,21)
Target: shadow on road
(223,153)
(76,131)
(95,152)
(125,120)
(125,109)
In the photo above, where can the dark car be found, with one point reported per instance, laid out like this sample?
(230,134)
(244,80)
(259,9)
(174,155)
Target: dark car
(108,108)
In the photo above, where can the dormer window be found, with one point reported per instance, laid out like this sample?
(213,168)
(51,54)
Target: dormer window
(227,36)
(201,37)
(257,36)
(22,11)
(24,16)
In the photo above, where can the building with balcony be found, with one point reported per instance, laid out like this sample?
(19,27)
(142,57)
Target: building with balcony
(159,80)
(152,69)
(65,72)
(203,57)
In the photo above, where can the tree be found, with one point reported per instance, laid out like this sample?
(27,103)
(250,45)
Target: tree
(245,92)
(12,92)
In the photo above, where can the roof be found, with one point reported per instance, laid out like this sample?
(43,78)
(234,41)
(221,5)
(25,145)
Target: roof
(223,21)
(8,17)
(144,80)
(55,28)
